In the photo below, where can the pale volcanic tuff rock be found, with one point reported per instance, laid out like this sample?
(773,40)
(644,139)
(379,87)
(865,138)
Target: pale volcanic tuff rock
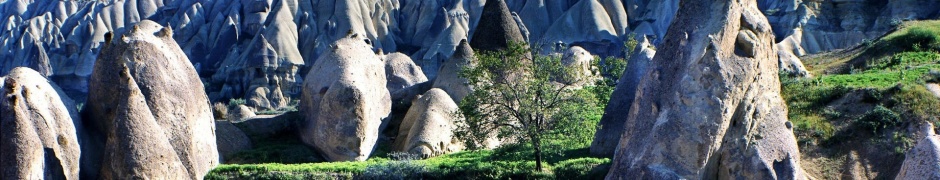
(710,106)
(427,127)
(401,72)
(450,81)
(345,101)
(611,125)
(141,93)
(496,29)
(38,137)
(923,161)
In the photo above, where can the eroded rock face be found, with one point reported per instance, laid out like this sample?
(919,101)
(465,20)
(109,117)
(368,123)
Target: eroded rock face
(401,72)
(709,107)
(578,61)
(427,128)
(142,93)
(345,100)
(37,129)
(611,125)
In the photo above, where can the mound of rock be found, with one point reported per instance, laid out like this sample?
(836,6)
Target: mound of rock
(427,128)
(578,61)
(230,140)
(449,79)
(37,129)
(710,107)
(345,101)
(610,127)
(401,72)
(145,91)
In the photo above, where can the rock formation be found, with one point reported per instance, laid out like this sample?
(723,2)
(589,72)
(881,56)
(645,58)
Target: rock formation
(449,79)
(401,72)
(610,127)
(230,140)
(496,29)
(37,129)
(710,107)
(426,129)
(923,161)
(579,61)
(142,93)
(345,101)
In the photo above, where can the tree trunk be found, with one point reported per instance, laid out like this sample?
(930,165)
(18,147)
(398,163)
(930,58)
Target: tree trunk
(538,154)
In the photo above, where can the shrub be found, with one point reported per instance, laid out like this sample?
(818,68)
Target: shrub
(219,110)
(582,168)
(236,102)
(879,119)
(405,169)
(917,38)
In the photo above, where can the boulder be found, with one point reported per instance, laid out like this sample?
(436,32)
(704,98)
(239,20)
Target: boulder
(496,29)
(401,72)
(240,113)
(923,161)
(345,101)
(143,90)
(427,128)
(37,129)
(449,79)
(610,127)
(230,140)
(709,109)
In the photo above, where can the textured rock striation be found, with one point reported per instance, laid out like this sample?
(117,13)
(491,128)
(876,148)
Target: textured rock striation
(610,127)
(709,106)
(141,94)
(923,161)
(345,101)
(38,134)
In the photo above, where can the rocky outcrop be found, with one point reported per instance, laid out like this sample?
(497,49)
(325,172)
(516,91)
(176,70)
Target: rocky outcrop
(923,161)
(450,80)
(710,106)
(611,125)
(426,129)
(142,93)
(38,137)
(496,29)
(401,72)
(230,140)
(345,101)
(578,61)
(265,71)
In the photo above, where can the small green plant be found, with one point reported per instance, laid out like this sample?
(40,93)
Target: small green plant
(918,38)
(879,119)
(406,168)
(236,102)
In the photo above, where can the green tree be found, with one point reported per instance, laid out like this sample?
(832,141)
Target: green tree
(516,98)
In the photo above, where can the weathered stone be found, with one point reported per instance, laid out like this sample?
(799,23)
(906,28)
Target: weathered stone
(449,80)
(707,110)
(142,93)
(427,128)
(345,101)
(496,29)
(37,129)
(611,125)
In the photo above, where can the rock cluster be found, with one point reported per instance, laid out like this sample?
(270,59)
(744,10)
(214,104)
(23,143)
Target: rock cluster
(426,130)
(38,123)
(710,107)
(141,93)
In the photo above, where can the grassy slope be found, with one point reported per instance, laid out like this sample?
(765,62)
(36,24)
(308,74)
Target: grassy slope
(860,104)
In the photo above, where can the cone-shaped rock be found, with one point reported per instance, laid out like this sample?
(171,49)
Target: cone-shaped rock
(496,28)
(449,79)
(710,107)
(427,128)
(922,161)
(147,103)
(610,127)
(38,139)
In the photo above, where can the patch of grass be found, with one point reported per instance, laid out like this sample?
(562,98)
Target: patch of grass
(276,149)
(582,168)
(916,101)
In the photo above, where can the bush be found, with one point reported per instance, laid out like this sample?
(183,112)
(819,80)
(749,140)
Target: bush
(405,169)
(918,38)
(582,168)
(236,102)
(219,110)
(879,119)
